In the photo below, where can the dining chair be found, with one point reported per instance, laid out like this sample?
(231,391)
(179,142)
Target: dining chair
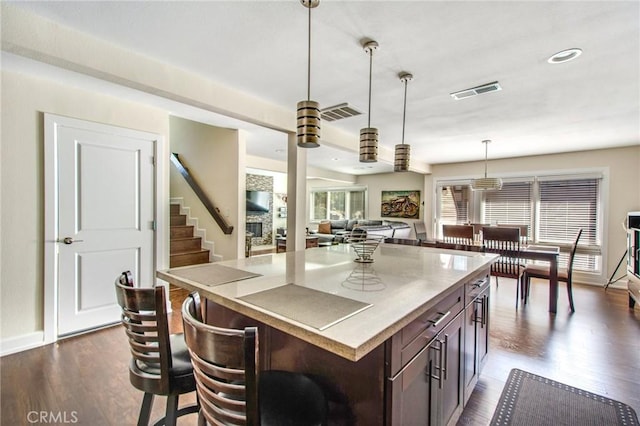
(457,234)
(421,231)
(454,246)
(505,242)
(160,363)
(232,389)
(524,231)
(477,231)
(542,271)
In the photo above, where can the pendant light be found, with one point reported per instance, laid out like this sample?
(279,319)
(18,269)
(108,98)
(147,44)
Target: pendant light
(486,183)
(369,135)
(308,122)
(403,152)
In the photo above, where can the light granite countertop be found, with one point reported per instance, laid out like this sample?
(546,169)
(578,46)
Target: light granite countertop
(401,283)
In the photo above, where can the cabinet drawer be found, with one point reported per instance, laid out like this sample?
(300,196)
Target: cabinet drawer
(452,303)
(475,286)
(421,331)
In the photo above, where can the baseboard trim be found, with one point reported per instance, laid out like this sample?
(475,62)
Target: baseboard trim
(16,344)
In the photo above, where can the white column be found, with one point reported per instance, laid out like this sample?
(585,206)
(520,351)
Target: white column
(296,194)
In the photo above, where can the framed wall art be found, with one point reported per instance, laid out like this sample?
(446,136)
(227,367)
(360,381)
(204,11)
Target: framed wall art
(404,204)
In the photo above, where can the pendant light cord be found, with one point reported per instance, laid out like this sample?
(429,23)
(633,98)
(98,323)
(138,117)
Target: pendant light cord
(309,57)
(370,68)
(404,109)
(486,157)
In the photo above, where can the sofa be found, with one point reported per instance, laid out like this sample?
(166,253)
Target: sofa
(336,230)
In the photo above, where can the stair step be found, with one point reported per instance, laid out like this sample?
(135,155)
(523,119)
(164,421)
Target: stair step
(190,258)
(178,219)
(181,231)
(174,208)
(183,245)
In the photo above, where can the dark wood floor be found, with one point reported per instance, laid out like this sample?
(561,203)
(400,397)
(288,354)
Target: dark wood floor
(597,348)
(85,378)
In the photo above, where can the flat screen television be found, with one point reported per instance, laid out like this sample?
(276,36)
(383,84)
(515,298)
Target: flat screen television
(258,201)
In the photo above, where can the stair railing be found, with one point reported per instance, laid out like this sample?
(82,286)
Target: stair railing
(213,211)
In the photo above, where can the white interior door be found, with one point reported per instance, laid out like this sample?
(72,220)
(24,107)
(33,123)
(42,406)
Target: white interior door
(105,219)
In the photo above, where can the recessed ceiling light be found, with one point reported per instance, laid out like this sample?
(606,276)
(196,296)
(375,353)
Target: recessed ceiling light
(565,56)
(335,159)
(279,151)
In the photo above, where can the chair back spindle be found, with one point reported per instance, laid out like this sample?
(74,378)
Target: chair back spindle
(505,242)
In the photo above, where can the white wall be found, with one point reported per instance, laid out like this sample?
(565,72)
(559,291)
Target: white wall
(24,100)
(622,193)
(212,155)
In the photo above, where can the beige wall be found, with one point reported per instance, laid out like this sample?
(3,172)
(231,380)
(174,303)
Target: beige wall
(24,100)
(212,155)
(392,182)
(622,188)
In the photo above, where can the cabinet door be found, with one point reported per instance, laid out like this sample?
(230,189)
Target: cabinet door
(410,396)
(482,328)
(448,368)
(472,315)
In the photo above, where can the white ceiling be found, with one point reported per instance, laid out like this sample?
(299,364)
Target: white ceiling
(259,47)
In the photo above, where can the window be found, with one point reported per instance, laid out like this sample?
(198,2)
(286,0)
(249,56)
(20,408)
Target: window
(554,208)
(337,204)
(454,204)
(511,205)
(565,206)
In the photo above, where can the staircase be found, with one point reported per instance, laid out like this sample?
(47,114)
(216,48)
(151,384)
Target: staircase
(184,248)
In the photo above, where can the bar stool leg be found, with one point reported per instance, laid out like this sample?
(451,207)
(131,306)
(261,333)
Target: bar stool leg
(145,409)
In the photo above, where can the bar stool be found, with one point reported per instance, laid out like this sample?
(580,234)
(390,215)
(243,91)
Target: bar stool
(160,363)
(230,387)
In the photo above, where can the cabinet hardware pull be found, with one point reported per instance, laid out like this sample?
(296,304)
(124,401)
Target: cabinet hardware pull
(439,320)
(478,318)
(479,283)
(438,367)
(485,310)
(445,366)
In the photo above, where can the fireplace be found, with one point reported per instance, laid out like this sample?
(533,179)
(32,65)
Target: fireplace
(255,228)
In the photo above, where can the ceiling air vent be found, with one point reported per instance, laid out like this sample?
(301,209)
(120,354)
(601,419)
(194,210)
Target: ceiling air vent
(474,91)
(338,112)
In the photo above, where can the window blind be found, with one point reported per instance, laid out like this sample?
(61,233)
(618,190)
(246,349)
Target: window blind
(511,205)
(567,205)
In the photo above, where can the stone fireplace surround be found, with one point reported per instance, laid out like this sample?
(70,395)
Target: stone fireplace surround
(261,183)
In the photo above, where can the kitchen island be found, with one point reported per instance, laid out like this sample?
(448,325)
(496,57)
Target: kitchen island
(376,335)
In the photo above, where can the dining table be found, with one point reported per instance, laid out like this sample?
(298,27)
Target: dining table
(543,253)
(546,254)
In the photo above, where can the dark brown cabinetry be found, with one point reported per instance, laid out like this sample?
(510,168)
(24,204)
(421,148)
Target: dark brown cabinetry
(476,331)
(428,390)
(633,257)
(434,362)
(421,375)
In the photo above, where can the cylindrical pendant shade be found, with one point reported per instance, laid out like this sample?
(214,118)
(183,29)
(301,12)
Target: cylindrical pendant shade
(308,124)
(368,145)
(401,159)
(486,184)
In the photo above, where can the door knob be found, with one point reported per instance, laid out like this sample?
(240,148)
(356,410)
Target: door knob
(69,240)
